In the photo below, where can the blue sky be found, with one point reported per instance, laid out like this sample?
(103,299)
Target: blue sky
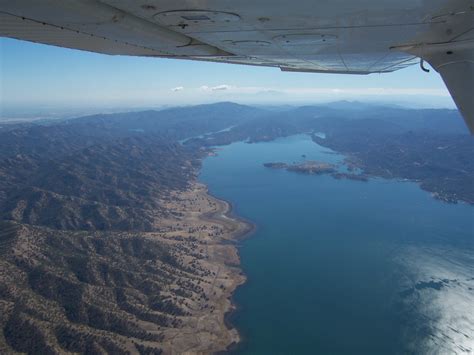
(35,75)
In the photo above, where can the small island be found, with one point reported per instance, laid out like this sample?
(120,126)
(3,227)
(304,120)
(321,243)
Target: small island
(312,167)
(308,167)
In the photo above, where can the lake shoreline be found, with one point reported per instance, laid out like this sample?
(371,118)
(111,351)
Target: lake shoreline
(319,239)
(228,211)
(207,329)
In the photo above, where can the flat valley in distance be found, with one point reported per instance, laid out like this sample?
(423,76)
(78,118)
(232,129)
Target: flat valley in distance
(109,241)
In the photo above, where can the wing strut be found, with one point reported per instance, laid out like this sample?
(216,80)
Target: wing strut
(456,67)
(454,61)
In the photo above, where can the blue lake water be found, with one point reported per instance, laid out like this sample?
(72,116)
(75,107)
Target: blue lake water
(342,266)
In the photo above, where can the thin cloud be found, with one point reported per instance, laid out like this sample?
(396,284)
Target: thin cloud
(221,87)
(178,88)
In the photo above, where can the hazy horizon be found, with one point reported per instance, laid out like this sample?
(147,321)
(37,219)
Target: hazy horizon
(51,81)
(36,112)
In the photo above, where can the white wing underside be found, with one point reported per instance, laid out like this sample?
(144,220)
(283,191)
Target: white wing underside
(337,36)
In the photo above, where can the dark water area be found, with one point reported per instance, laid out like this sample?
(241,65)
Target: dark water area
(343,266)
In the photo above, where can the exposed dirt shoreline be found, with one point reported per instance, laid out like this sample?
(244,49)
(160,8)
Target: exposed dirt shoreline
(208,330)
(189,265)
(242,233)
(243,229)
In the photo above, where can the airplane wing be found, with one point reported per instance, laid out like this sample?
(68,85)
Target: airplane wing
(337,36)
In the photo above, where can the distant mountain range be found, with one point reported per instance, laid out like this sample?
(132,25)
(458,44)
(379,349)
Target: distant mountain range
(52,171)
